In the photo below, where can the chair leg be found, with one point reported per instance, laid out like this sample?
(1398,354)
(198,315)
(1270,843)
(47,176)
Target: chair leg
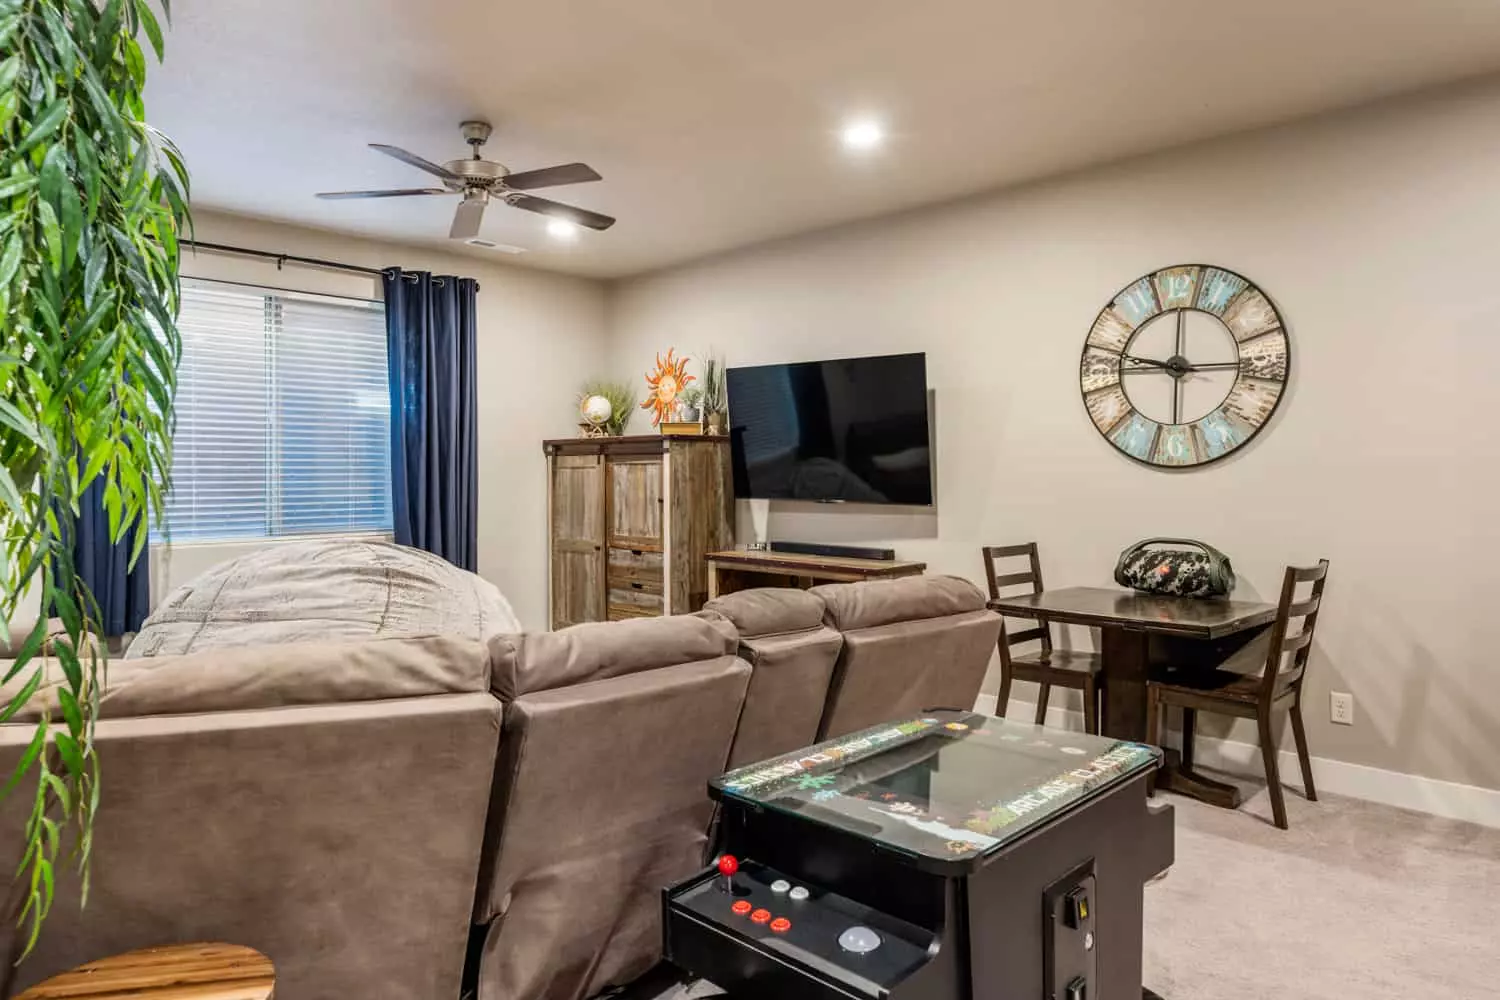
(1090,707)
(1303,758)
(1002,700)
(1153,728)
(1273,773)
(1042,691)
(1189,731)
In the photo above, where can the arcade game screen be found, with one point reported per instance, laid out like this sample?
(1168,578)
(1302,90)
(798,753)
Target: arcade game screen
(952,786)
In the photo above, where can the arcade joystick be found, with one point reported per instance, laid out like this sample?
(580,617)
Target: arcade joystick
(728,865)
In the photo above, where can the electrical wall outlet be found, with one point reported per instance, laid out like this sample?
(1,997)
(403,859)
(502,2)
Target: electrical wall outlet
(1341,708)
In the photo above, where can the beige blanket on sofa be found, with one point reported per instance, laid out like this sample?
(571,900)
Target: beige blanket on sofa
(327,589)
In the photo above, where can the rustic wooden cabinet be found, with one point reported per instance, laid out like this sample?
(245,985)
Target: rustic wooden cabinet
(629,522)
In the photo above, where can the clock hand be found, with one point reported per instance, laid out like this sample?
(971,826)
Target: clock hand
(1152,362)
(1220,366)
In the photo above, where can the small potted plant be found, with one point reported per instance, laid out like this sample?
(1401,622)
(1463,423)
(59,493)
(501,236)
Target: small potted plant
(691,399)
(715,401)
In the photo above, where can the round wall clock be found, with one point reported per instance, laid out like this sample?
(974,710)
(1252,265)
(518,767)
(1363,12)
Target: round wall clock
(1184,365)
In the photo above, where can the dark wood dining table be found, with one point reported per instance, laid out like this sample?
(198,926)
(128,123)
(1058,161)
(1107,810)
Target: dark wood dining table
(1141,631)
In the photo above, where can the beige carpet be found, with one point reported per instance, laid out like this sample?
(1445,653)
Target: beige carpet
(1356,900)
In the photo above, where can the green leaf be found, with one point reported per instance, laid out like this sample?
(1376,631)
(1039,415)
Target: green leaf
(72,715)
(10,258)
(8,26)
(18,184)
(60,792)
(72,224)
(17,421)
(52,234)
(33,750)
(67,748)
(45,125)
(20,698)
(9,495)
(54,174)
(10,69)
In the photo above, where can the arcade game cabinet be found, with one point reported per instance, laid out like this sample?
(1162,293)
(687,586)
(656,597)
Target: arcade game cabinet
(948,857)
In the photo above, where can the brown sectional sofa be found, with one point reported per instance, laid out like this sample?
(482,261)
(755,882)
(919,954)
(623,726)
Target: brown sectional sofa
(361,811)
(321,802)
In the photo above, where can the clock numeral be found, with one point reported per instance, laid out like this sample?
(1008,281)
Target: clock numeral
(1251,315)
(1218,288)
(1107,407)
(1177,287)
(1110,331)
(1175,446)
(1218,434)
(1100,369)
(1137,303)
(1265,356)
(1136,437)
(1252,401)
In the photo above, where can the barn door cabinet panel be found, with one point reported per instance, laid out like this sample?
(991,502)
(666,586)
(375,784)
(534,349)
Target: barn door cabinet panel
(630,520)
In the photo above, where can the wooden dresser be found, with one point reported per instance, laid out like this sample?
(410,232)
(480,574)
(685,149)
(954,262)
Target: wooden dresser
(629,522)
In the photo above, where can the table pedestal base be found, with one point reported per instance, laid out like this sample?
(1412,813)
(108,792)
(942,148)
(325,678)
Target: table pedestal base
(1173,777)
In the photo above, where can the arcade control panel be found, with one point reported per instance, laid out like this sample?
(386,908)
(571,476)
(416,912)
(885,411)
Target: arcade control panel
(748,923)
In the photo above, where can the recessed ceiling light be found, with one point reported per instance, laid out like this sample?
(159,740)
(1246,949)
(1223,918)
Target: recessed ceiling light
(562,229)
(862,135)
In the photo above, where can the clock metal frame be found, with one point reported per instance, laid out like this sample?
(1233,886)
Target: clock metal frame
(1250,317)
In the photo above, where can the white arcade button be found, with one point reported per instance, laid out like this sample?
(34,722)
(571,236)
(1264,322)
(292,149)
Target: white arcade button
(799,893)
(859,940)
(780,885)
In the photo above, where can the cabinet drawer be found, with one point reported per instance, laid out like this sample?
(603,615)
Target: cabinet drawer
(626,601)
(635,564)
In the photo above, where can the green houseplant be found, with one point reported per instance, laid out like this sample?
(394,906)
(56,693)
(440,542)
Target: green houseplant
(92,200)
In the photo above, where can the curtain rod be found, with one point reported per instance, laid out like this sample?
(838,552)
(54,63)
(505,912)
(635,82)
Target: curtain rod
(283,258)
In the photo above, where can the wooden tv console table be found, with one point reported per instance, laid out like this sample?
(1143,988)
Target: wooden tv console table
(741,569)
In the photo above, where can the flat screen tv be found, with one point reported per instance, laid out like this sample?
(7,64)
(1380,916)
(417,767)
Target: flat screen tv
(850,430)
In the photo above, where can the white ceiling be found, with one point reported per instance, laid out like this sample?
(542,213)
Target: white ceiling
(714,122)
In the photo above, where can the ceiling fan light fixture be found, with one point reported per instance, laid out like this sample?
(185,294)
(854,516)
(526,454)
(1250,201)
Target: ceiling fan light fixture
(562,230)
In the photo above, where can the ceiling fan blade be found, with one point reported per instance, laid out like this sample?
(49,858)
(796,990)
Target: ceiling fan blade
(416,161)
(397,193)
(558,210)
(567,173)
(467,216)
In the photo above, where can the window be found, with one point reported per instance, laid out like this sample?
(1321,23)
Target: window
(283,416)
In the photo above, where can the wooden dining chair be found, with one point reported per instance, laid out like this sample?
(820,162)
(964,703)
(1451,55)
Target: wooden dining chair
(1048,666)
(1253,696)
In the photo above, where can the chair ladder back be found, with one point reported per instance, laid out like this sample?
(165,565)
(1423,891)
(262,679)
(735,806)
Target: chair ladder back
(1033,576)
(1287,641)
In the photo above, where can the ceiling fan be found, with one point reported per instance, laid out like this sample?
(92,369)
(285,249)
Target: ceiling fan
(478,180)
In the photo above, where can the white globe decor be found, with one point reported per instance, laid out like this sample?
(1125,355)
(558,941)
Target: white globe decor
(596,410)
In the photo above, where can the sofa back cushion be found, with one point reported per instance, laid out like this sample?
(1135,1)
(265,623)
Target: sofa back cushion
(279,676)
(524,663)
(335,589)
(792,656)
(600,800)
(909,645)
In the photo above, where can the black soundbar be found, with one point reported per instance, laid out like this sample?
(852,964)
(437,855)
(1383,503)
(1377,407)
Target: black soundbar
(842,551)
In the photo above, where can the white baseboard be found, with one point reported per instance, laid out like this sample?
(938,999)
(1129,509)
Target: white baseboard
(1447,799)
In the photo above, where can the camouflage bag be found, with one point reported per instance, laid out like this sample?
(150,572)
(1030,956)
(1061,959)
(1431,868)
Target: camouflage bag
(1181,567)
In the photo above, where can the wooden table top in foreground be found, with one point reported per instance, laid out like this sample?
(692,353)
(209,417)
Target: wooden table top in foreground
(206,971)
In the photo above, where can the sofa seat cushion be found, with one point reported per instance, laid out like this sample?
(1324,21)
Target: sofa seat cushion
(873,603)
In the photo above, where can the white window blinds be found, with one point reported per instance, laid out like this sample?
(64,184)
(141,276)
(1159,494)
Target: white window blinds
(283,416)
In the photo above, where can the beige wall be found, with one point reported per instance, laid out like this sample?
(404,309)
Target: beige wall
(540,335)
(1375,233)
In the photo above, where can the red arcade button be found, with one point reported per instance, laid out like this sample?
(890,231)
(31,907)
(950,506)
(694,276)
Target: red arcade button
(741,906)
(781,925)
(760,916)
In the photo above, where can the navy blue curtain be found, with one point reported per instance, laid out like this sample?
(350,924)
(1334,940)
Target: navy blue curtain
(122,593)
(430,335)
